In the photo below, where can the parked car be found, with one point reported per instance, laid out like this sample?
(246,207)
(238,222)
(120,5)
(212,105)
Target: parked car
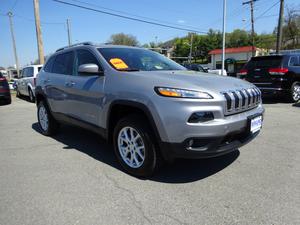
(26,84)
(195,67)
(4,90)
(149,107)
(275,75)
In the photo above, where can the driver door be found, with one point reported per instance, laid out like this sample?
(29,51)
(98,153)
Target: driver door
(85,92)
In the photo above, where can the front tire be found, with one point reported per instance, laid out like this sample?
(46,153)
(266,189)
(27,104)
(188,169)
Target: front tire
(134,146)
(48,125)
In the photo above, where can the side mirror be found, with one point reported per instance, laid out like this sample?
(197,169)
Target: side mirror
(89,68)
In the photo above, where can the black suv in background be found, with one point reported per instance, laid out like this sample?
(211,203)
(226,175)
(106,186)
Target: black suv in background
(275,75)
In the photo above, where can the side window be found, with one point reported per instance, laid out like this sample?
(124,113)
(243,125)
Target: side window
(294,61)
(86,57)
(63,63)
(24,72)
(29,72)
(49,64)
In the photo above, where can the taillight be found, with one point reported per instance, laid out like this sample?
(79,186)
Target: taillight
(2,78)
(278,71)
(242,72)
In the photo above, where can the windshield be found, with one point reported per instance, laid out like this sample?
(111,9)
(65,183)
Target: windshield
(135,59)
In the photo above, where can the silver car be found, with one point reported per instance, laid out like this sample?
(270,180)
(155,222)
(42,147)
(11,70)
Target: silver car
(149,107)
(25,85)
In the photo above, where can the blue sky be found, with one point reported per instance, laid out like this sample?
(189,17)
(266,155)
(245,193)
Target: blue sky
(92,26)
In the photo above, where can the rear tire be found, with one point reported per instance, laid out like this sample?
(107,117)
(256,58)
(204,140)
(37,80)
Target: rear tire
(31,96)
(134,146)
(294,94)
(18,92)
(48,125)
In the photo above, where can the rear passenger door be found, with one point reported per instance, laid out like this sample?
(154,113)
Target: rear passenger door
(85,91)
(55,82)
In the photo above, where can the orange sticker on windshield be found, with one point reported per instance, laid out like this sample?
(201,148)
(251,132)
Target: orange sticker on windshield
(118,63)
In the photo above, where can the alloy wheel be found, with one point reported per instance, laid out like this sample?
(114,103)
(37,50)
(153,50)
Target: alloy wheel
(296,92)
(43,118)
(131,147)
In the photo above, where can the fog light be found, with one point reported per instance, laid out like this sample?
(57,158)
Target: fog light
(191,142)
(201,117)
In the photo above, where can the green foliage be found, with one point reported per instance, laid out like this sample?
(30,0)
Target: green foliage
(123,39)
(291,28)
(202,44)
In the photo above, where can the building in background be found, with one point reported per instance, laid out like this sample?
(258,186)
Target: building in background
(235,58)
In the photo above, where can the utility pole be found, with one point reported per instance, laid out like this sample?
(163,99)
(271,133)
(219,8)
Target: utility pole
(69,32)
(191,49)
(36,5)
(279,28)
(251,2)
(224,37)
(10,15)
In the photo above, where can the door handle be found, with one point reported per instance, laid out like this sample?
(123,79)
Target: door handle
(69,84)
(46,81)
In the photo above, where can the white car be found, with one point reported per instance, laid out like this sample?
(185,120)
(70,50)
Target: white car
(26,84)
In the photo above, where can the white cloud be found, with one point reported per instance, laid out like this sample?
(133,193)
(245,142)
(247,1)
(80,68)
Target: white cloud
(181,21)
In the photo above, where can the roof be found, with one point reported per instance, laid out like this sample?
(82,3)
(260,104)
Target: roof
(232,50)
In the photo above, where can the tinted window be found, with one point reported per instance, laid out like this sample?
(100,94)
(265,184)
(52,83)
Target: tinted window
(63,63)
(137,59)
(294,61)
(1,74)
(264,62)
(49,64)
(39,68)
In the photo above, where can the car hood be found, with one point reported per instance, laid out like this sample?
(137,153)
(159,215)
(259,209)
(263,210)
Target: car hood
(195,80)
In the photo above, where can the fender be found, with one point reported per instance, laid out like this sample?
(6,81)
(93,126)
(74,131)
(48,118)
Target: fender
(138,105)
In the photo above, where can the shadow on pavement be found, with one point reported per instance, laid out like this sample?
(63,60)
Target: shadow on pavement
(181,171)
(297,104)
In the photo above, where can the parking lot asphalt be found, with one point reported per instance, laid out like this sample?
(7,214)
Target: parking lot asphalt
(73,178)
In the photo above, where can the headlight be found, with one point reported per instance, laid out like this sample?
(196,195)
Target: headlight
(181,93)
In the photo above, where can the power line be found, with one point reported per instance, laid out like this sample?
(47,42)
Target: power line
(261,15)
(130,14)
(128,17)
(42,22)
(14,5)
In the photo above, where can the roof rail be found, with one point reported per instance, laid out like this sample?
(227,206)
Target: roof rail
(77,44)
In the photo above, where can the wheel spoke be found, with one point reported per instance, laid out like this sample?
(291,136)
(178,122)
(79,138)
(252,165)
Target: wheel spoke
(131,147)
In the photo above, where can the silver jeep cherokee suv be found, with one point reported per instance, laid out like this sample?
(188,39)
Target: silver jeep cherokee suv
(150,108)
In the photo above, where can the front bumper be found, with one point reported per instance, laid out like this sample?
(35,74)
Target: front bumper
(210,147)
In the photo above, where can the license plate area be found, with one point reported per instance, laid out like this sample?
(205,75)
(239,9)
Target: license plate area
(255,123)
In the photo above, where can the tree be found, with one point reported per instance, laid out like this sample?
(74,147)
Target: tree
(291,28)
(238,38)
(123,39)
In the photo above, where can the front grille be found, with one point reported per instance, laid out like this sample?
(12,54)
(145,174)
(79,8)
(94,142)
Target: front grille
(241,100)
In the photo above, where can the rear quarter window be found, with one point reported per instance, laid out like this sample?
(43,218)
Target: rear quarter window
(49,64)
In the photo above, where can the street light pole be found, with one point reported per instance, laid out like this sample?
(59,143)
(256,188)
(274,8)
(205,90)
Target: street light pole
(224,35)
(13,41)
(69,32)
